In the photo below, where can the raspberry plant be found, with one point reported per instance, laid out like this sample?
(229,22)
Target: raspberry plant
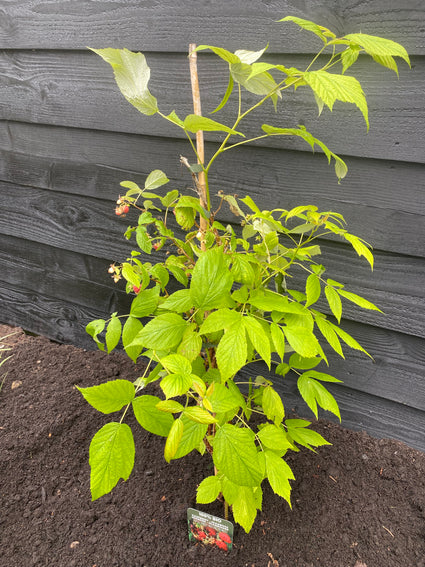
(235,304)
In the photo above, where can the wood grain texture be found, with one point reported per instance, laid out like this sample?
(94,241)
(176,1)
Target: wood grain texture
(78,90)
(89,226)
(170,25)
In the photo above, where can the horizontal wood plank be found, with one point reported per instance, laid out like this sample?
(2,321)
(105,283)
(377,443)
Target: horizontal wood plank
(89,226)
(91,163)
(78,90)
(170,25)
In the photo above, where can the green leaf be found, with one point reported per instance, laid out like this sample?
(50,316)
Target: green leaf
(330,87)
(180,301)
(320,31)
(113,333)
(155,179)
(221,52)
(244,507)
(176,384)
(219,320)
(297,429)
(278,339)
(302,340)
(321,376)
(272,405)
(163,333)
(312,289)
(193,123)
(232,351)
(381,49)
(279,474)
(198,414)
(191,345)
(222,399)
(327,331)
(358,300)
(111,457)
(131,328)
(94,328)
(260,84)
(176,363)
(145,303)
(173,439)
(236,456)
(130,275)
(193,434)
(274,437)
(242,270)
(110,396)
(143,240)
(315,394)
(349,56)
(170,406)
(348,339)
(334,302)
(250,57)
(132,75)
(211,280)
(360,247)
(301,363)
(226,95)
(150,417)
(258,337)
(208,490)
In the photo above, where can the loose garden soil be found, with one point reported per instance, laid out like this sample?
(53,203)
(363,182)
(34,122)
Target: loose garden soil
(357,503)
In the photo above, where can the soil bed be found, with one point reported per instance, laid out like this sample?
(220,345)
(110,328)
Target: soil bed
(359,503)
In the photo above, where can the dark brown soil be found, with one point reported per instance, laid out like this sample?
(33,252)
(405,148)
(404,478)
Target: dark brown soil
(358,503)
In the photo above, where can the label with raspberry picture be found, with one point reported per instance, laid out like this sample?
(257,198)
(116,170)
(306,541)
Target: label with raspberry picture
(210,530)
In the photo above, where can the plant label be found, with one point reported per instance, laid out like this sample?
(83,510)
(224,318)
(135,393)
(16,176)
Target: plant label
(209,529)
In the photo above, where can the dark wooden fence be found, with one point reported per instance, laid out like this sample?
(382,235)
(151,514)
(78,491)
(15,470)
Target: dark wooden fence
(67,138)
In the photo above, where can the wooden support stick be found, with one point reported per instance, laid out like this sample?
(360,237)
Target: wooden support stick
(201,186)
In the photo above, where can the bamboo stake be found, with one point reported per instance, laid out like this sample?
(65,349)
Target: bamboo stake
(201,186)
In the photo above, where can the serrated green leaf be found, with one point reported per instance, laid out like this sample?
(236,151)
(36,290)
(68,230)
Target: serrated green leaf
(259,338)
(198,414)
(221,52)
(360,247)
(193,434)
(145,303)
(259,84)
(334,302)
(272,405)
(143,240)
(191,345)
(180,302)
(349,56)
(236,456)
(219,320)
(211,280)
(170,406)
(155,179)
(226,95)
(331,87)
(244,507)
(358,300)
(279,474)
(111,457)
(222,399)
(176,384)
(208,490)
(94,328)
(315,394)
(110,396)
(162,333)
(194,123)
(320,31)
(297,429)
(176,363)
(302,363)
(132,76)
(150,417)
(242,270)
(130,275)
(274,437)
(312,289)
(329,334)
(113,333)
(348,339)
(232,351)
(278,339)
(380,48)
(302,340)
(173,439)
